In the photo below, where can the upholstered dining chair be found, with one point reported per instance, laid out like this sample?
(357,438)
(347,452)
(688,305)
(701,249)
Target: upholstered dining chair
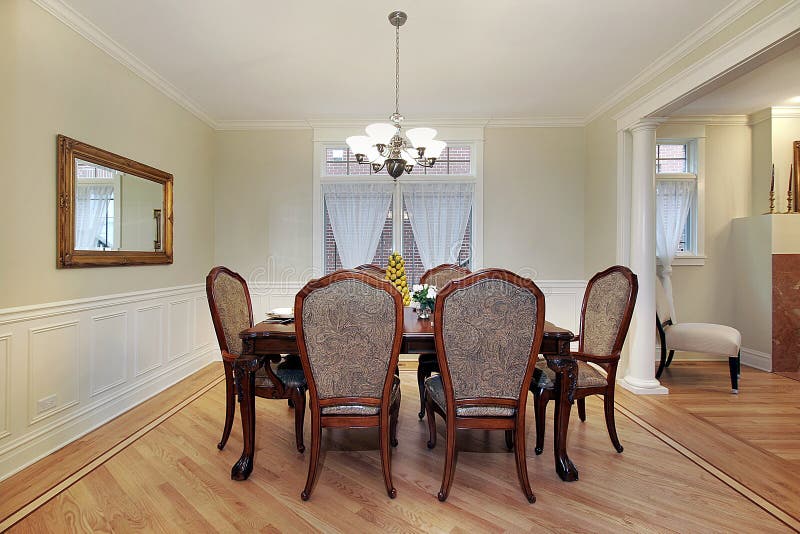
(438,277)
(488,328)
(349,332)
(375,270)
(605,317)
(706,338)
(232,312)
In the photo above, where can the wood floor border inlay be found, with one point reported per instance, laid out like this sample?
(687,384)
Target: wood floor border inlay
(65,484)
(698,460)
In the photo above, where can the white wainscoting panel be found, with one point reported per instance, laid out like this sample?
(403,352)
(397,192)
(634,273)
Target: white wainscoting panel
(108,352)
(148,339)
(180,328)
(81,363)
(5,383)
(53,369)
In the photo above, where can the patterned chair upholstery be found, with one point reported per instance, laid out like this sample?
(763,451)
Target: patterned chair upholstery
(438,276)
(349,333)
(607,309)
(232,312)
(488,328)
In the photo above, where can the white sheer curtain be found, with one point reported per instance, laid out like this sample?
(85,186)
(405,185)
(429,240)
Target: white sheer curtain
(673,200)
(438,213)
(91,208)
(357,212)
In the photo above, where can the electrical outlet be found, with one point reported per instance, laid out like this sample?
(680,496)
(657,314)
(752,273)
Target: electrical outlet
(45,404)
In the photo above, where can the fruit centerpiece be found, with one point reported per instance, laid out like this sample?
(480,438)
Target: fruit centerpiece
(396,274)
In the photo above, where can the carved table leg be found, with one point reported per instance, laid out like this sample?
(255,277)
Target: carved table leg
(246,378)
(566,377)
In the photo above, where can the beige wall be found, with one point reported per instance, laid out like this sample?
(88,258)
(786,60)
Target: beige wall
(600,223)
(761,174)
(54,81)
(533,201)
(704,293)
(785,131)
(263,203)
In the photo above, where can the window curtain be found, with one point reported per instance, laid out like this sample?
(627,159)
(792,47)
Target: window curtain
(438,213)
(91,208)
(357,213)
(673,200)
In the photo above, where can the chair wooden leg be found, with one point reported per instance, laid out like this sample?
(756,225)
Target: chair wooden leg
(733,363)
(394,415)
(510,440)
(669,358)
(421,383)
(299,401)
(449,461)
(386,455)
(230,403)
(739,364)
(540,398)
(522,461)
(663,362)
(431,423)
(582,409)
(313,462)
(608,407)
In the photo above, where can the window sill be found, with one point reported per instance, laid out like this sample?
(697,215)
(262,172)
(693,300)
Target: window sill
(689,260)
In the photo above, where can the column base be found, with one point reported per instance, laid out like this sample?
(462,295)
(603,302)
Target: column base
(642,387)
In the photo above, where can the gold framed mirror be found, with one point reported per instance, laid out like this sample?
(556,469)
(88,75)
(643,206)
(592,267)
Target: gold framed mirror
(111,210)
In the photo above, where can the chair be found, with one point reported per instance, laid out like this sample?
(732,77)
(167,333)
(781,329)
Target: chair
(705,338)
(375,270)
(605,317)
(349,331)
(232,312)
(488,328)
(438,276)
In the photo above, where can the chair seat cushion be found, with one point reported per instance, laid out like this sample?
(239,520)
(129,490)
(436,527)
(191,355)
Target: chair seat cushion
(356,409)
(588,376)
(703,337)
(435,389)
(291,378)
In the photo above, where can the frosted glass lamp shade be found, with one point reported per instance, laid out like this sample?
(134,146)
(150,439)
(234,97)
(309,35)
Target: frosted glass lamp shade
(359,144)
(381,132)
(434,148)
(409,156)
(421,136)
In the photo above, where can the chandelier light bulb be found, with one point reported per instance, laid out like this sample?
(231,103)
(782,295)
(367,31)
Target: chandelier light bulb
(420,137)
(381,132)
(434,148)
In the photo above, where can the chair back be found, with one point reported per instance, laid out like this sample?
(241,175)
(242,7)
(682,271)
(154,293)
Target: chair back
(607,309)
(440,275)
(488,328)
(374,270)
(349,329)
(231,309)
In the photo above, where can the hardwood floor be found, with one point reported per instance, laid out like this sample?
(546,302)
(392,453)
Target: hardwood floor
(173,478)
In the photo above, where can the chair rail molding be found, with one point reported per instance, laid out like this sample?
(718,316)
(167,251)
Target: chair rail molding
(83,362)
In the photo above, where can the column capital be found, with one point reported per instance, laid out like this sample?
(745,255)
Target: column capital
(647,123)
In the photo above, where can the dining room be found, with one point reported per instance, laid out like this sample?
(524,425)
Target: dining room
(412,267)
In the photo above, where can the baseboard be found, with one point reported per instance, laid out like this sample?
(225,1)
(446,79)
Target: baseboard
(757,359)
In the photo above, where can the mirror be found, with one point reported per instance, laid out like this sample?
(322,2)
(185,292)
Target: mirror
(111,210)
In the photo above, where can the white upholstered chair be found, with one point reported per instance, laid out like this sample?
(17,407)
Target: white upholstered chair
(706,338)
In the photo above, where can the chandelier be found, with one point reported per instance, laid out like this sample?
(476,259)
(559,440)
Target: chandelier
(385,145)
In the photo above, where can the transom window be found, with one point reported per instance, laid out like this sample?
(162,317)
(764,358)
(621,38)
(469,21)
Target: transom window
(455,160)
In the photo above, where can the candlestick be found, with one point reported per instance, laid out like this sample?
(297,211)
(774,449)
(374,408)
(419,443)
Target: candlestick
(772,192)
(789,197)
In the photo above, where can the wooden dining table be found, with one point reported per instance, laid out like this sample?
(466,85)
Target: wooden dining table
(269,339)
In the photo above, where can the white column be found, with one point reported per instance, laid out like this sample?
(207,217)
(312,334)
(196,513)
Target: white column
(640,377)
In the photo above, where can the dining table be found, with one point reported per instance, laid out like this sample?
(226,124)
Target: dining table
(270,339)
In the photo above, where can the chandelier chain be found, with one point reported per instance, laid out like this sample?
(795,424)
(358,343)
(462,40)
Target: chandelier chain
(397,70)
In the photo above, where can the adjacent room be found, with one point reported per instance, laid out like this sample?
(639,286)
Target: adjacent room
(430,267)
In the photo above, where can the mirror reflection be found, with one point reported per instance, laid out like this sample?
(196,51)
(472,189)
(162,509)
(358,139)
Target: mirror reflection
(115,210)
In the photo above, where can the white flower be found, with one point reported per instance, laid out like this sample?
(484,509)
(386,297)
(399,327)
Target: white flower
(416,287)
(414,304)
(432,292)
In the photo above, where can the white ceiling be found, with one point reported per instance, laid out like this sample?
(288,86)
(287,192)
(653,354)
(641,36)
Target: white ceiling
(776,83)
(301,59)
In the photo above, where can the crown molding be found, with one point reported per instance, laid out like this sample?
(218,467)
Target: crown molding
(537,122)
(710,120)
(731,12)
(240,125)
(759,116)
(92,33)
(756,40)
(775,112)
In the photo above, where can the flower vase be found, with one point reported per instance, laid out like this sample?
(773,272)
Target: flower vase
(424,312)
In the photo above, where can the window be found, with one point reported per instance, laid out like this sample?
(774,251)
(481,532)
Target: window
(677,159)
(397,232)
